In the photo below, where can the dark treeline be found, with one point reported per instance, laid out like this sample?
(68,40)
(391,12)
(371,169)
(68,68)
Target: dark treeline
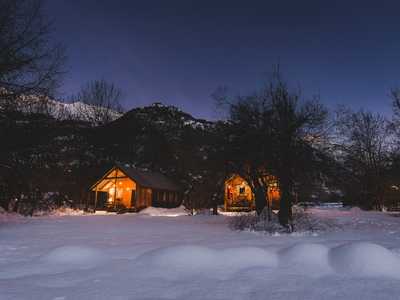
(274,133)
(344,155)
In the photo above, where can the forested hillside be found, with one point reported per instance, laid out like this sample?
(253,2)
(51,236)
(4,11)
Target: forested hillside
(63,157)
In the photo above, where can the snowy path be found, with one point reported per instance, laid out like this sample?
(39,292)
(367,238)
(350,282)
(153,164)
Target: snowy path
(143,257)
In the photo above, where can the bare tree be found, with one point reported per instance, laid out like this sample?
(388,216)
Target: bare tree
(101,102)
(364,143)
(30,63)
(250,144)
(274,132)
(296,126)
(395,122)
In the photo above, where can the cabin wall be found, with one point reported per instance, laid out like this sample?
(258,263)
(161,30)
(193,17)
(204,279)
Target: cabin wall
(143,197)
(124,192)
(120,191)
(168,199)
(238,194)
(274,196)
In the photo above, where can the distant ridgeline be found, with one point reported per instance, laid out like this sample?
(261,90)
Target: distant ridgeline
(38,104)
(50,148)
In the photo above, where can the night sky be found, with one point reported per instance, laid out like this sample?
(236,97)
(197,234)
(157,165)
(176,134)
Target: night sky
(179,52)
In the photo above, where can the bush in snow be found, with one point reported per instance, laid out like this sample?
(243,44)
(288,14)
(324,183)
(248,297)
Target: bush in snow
(253,222)
(34,202)
(302,222)
(243,221)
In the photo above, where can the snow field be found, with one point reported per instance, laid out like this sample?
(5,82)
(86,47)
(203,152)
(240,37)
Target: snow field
(137,256)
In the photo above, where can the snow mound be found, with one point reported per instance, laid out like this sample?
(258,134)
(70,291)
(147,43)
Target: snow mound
(247,257)
(73,255)
(165,212)
(354,260)
(59,212)
(67,211)
(307,256)
(187,258)
(6,217)
(186,261)
(355,211)
(58,261)
(364,259)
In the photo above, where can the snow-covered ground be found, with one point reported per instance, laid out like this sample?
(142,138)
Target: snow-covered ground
(142,256)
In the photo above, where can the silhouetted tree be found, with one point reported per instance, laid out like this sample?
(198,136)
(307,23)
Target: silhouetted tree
(298,131)
(394,170)
(364,146)
(273,132)
(250,140)
(30,63)
(101,101)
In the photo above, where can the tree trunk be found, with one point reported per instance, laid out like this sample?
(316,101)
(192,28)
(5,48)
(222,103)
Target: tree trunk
(214,198)
(285,209)
(215,209)
(269,205)
(260,199)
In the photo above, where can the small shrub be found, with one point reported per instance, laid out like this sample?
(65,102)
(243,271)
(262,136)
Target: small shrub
(302,222)
(243,221)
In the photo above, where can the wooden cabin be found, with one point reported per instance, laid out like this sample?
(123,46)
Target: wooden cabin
(238,195)
(132,189)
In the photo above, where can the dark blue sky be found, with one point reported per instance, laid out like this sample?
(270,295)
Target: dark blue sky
(179,52)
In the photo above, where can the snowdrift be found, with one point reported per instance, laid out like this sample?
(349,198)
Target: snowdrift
(312,258)
(58,261)
(73,255)
(365,260)
(183,261)
(358,259)
(165,212)
(59,212)
(6,217)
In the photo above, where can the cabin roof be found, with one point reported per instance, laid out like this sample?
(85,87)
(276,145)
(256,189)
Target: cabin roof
(148,179)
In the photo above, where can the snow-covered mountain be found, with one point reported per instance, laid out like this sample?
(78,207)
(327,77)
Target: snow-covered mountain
(61,110)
